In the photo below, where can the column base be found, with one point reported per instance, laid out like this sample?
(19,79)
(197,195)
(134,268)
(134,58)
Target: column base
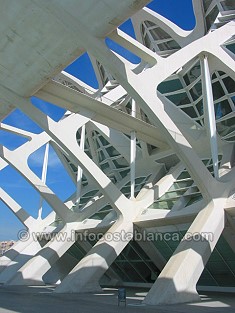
(171,296)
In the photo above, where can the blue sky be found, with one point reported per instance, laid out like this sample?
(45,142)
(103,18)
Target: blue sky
(178,11)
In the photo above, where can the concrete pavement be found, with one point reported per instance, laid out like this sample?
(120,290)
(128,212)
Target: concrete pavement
(42,299)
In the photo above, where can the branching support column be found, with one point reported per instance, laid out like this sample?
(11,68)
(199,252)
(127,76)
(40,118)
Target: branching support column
(44,176)
(133,152)
(79,173)
(209,112)
(177,282)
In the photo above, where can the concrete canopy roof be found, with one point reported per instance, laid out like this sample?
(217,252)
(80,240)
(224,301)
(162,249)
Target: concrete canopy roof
(38,39)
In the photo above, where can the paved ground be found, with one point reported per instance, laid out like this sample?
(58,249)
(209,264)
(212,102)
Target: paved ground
(42,299)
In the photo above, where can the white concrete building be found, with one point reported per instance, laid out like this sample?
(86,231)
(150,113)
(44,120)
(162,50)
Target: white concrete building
(151,151)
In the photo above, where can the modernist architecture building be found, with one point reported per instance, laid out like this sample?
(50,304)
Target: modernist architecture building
(151,151)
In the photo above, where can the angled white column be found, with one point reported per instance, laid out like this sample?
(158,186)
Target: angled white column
(153,253)
(15,257)
(22,167)
(28,249)
(133,152)
(86,275)
(44,176)
(209,112)
(59,269)
(23,250)
(20,251)
(80,171)
(177,282)
(110,273)
(18,211)
(32,271)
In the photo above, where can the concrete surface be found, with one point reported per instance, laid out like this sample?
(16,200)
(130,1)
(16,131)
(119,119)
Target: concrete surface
(42,299)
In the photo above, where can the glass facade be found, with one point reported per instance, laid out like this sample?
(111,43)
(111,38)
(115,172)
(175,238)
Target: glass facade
(183,192)
(158,40)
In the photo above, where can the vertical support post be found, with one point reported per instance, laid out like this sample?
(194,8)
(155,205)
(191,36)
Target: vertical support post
(133,152)
(80,171)
(209,112)
(44,177)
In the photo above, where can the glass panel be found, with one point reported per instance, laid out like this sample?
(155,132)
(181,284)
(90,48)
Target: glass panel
(231,47)
(222,108)
(206,4)
(158,33)
(172,44)
(228,5)
(163,205)
(125,190)
(104,166)
(211,17)
(205,161)
(186,79)
(76,251)
(90,193)
(179,99)
(74,168)
(120,163)
(139,180)
(121,273)
(167,244)
(106,208)
(88,153)
(101,156)
(172,194)
(190,111)
(143,270)
(194,199)
(206,279)
(112,151)
(169,45)
(132,273)
(97,144)
(196,91)
(124,173)
(103,141)
(182,184)
(213,76)
(147,41)
(229,84)
(134,265)
(184,175)
(194,72)
(149,24)
(230,138)
(199,107)
(226,127)
(218,91)
(221,265)
(169,86)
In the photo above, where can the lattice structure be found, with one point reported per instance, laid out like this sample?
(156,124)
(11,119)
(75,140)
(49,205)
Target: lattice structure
(151,151)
